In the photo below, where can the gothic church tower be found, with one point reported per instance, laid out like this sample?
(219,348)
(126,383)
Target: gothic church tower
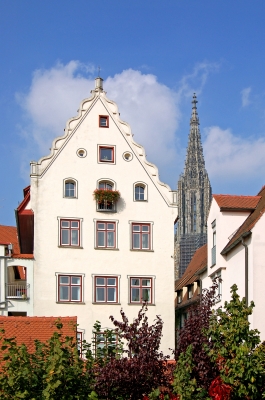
(194,197)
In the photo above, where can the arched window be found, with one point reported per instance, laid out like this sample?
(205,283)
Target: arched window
(140,191)
(70,188)
(106,204)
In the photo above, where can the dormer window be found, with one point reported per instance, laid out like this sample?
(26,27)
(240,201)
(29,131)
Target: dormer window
(103,121)
(190,291)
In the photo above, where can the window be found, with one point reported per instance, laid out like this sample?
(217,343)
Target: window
(69,288)
(106,154)
(190,291)
(103,121)
(140,191)
(218,278)
(141,236)
(70,188)
(106,289)
(79,343)
(69,232)
(105,343)
(179,296)
(106,234)
(141,290)
(105,205)
(214,249)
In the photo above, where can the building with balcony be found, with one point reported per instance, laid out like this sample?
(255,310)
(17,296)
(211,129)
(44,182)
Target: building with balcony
(16,275)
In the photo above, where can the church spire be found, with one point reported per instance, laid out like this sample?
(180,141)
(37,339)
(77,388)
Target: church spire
(194,159)
(194,196)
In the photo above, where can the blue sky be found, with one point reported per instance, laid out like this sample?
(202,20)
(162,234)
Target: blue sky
(153,55)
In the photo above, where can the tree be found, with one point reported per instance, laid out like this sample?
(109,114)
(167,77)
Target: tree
(142,367)
(192,336)
(234,348)
(53,371)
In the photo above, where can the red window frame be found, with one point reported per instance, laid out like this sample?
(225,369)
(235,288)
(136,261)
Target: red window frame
(105,118)
(105,230)
(70,230)
(141,287)
(105,285)
(141,232)
(102,160)
(70,285)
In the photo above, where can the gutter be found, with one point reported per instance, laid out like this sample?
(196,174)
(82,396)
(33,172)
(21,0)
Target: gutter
(246,270)
(236,242)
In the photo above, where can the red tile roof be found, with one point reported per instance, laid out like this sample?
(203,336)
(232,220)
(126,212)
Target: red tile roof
(198,262)
(8,234)
(245,229)
(236,203)
(28,329)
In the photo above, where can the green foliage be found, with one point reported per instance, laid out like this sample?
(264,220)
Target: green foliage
(184,385)
(53,371)
(234,348)
(111,196)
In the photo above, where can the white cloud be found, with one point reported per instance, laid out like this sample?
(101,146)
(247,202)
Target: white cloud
(245,96)
(151,108)
(231,158)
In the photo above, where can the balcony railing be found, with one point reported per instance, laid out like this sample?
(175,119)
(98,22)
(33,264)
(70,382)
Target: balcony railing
(106,206)
(17,291)
(214,255)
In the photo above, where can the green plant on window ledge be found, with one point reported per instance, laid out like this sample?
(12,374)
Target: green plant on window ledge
(110,196)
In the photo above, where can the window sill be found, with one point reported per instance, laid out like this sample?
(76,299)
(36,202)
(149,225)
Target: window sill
(213,265)
(105,248)
(145,251)
(70,247)
(140,304)
(107,211)
(105,303)
(70,302)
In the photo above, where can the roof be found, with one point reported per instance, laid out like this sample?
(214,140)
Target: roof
(245,229)
(8,234)
(236,203)
(27,329)
(198,262)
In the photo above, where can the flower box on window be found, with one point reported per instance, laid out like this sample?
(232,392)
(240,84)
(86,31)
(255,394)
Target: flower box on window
(106,199)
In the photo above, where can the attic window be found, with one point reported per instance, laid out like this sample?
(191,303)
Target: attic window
(81,153)
(103,121)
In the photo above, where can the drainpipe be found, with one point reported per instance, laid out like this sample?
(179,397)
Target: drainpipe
(246,270)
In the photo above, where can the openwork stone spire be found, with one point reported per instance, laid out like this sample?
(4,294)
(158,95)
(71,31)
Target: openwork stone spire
(194,196)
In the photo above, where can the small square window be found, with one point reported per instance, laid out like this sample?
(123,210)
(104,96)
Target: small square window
(106,154)
(103,121)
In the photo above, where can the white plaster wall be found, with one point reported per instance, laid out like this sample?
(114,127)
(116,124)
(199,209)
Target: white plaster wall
(48,204)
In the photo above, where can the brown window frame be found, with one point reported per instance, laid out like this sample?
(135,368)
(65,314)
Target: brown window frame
(106,230)
(101,160)
(70,285)
(106,118)
(70,229)
(141,287)
(105,286)
(141,232)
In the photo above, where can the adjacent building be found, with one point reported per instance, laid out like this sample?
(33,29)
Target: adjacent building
(194,197)
(101,224)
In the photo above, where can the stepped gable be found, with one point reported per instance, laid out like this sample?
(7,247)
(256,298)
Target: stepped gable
(27,329)
(245,229)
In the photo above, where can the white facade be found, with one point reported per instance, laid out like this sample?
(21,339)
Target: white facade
(226,231)
(73,278)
